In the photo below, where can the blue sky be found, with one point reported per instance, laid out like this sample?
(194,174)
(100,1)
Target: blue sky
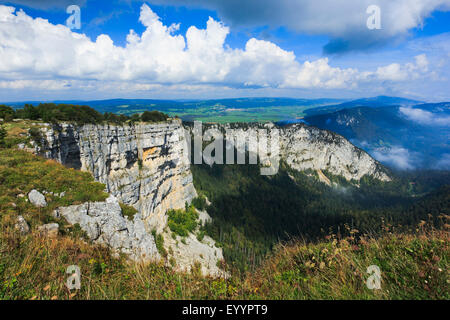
(301,48)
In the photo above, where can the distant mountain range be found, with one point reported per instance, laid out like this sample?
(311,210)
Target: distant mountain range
(241,103)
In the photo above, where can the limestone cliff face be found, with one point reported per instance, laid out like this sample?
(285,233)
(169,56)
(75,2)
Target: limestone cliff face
(143,165)
(303,147)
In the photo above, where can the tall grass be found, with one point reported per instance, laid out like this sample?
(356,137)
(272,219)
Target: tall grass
(412,267)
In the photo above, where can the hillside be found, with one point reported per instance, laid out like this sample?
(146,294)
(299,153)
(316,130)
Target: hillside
(412,267)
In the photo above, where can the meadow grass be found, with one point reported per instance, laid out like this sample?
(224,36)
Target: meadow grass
(412,267)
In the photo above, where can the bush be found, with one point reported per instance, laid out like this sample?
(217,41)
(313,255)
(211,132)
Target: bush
(36,135)
(2,136)
(182,222)
(6,113)
(50,112)
(128,211)
(159,241)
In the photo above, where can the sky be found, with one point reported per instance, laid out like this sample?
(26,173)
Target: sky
(179,49)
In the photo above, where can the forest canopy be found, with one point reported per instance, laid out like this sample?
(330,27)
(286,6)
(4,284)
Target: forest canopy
(51,112)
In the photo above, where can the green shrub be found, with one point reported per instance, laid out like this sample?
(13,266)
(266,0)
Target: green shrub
(182,222)
(159,241)
(153,116)
(36,135)
(6,113)
(128,211)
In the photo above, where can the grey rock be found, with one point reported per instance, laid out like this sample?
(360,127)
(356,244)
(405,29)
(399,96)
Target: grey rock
(303,147)
(204,217)
(49,230)
(22,226)
(105,224)
(37,198)
(143,165)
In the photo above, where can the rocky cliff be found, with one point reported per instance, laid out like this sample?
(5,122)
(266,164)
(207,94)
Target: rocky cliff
(142,165)
(303,147)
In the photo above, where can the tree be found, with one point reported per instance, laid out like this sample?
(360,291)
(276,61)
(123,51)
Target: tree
(153,116)
(2,136)
(6,113)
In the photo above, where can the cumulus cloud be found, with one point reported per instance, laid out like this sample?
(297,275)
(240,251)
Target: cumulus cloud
(33,50)
(343,20)
(397,72)
(424,117)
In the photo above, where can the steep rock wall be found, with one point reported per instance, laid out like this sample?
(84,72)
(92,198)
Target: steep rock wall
(143,165)
(303,147)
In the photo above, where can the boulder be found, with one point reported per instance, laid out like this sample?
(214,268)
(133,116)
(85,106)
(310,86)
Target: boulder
(105,224)
(37,199)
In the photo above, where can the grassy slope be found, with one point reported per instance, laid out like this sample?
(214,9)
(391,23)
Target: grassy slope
(412,267)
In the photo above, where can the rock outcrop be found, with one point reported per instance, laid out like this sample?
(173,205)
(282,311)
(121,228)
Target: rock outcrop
(304,147)
(105,224)
(147,166)
(143,165)
(22,226)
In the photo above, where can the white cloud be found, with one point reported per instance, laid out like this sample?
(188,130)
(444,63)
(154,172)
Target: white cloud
(343,20)
(395,156)
(34,50)
(425,117)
